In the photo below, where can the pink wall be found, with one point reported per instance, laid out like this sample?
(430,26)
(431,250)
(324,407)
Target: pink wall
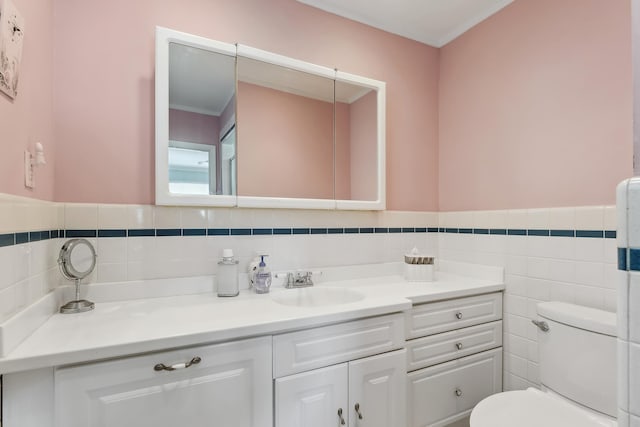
(193,127)
(287,144)
(535,107)
(104,78)
(364,159)
(343,151)
(27,119)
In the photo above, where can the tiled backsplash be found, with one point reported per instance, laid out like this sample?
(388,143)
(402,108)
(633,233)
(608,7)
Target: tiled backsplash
(560,254)
(565,254)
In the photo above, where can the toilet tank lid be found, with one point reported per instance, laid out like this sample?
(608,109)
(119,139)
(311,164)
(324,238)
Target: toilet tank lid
(587,318)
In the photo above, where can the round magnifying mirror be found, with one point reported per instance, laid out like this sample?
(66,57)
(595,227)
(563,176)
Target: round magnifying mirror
(77,260)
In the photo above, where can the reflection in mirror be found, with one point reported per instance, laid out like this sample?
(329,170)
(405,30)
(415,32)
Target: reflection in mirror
(285,127)
(356,142)
(201,118)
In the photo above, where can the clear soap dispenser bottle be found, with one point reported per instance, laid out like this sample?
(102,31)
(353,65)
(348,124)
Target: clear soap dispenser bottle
(263,277)
(228,275)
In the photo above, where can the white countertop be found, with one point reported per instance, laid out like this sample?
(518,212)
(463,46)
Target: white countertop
(121,328)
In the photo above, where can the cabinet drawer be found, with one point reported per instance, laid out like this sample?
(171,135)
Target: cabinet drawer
(442,394)
(439,348)
(314,348)
(432,318)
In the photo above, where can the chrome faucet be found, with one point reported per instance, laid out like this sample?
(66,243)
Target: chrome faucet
(299,279)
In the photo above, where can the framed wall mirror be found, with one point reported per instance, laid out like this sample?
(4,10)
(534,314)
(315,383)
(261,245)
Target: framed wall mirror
(286,129)
(359,142)
(195,120)
(239,126)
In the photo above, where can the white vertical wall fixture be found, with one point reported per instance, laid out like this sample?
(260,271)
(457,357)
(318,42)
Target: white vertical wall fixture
(628,239)
(635,31)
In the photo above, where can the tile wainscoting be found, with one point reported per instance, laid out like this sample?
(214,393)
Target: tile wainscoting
(566,254)
(560,254)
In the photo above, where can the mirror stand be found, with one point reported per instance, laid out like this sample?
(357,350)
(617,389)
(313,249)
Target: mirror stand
(77,260)
(78,305)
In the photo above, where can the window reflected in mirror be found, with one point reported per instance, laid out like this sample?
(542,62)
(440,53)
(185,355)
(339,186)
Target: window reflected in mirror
(201,119)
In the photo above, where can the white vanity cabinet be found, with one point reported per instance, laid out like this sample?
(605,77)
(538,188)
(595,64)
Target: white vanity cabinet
(230,386)
(369,392)
(327,375)
(454,358)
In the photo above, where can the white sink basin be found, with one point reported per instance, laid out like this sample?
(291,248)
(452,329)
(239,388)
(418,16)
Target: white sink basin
(316,297)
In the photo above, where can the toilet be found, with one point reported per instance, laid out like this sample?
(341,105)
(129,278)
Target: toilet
(577,356)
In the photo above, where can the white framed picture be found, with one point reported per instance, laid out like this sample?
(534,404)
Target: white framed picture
(11,36)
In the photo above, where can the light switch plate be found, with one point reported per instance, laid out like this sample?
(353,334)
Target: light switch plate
(28,170)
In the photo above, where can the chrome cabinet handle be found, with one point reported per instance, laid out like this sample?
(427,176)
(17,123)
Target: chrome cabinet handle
(459,315)
(163,367)
(541,324)
(340,416)
(357,408)
(459,346)
(458,392)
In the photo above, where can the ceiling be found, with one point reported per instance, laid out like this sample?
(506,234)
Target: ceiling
(200,81)
(433,22)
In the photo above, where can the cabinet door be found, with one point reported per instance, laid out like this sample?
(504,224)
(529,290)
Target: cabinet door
(312,399)
(230,386)
(442,394)
(377,387)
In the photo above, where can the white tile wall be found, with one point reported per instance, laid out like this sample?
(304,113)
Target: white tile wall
(579,270)
(537,268)
(27,271)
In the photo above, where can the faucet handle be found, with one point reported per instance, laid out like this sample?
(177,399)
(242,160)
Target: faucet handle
(288,276)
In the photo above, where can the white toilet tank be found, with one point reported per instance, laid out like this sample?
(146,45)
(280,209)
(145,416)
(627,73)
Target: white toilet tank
(578,354)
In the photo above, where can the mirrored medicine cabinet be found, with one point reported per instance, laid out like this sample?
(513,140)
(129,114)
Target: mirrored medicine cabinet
(239,126)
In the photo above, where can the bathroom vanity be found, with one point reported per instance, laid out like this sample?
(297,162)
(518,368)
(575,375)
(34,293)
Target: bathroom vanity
(414,354)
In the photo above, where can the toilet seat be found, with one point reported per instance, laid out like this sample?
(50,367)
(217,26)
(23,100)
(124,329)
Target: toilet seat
(533,408)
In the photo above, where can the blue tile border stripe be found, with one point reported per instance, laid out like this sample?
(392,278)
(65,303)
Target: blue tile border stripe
(194,232)
(590,233)
(7,239)
(622,258)
(142,232)
(563,233)
(262,231)
(80,233)
(10,239)
(168,232)
(282,231)
(634,259)
(112,233)
(629,259)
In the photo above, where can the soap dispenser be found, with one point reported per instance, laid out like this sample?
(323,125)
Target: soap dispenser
(263,277)
(228,275)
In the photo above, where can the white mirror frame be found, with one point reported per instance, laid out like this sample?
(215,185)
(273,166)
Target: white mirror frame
(165,36)
(380,88)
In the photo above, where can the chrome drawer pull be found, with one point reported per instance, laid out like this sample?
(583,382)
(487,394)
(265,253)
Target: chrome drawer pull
(459,315)
(340,416)
(357,408)
(459,346)
(541,324)
(163,367)
(458,392)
